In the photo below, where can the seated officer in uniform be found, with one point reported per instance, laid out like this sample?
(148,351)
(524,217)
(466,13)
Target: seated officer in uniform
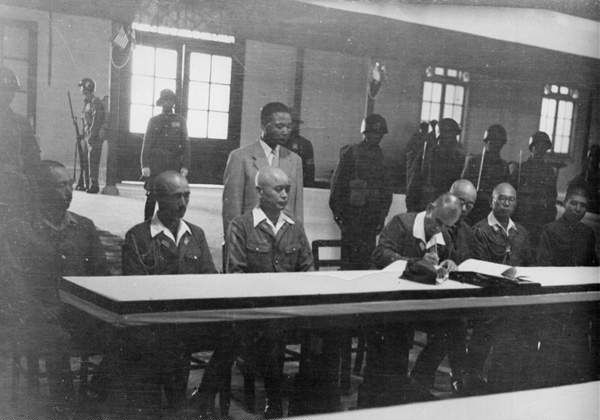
(54,244)
(417,238)
(567,241)
(264,240)
(164,244)
(449,337)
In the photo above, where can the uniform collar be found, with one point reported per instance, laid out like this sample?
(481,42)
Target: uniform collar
(258,216)
(157,227)
(67,220)
(419,232)
(496,225)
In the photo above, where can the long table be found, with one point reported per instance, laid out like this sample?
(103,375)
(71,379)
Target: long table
(318,299)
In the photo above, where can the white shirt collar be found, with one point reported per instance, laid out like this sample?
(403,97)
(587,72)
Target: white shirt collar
(156,227)
(269,153)
(494,223)
(258,215)
(419,232)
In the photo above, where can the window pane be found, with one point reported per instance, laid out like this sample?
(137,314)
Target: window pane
(138,118)
(451,73)
(439,71)
(548,107)
(447,111)
(200,67)
(564,90)
(554,89)
(143,60)
(427,91)
(221,69)
(160,84)
(437,92)
(449,96)
(565,109)
(166,63)
(196,121)
(198,95)
(16,42)
(458,113)
(142,90)
(425,111)
(435,111)
(217,125)
(459,95)
(219,98)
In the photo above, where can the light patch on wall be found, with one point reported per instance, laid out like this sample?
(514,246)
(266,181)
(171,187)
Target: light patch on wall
(184,33)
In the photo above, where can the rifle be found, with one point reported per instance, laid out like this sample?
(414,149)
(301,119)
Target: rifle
(78,149)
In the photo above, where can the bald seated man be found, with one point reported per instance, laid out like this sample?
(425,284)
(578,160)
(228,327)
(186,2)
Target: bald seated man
(418,239)
(498,238)
(265,239)
(164,244)
(449,337)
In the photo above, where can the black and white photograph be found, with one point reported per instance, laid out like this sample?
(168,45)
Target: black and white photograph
(303,209)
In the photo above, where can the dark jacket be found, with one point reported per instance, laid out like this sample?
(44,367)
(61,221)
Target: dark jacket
(567,244)
(19,149)
(462,240)
(397,242)
(166,145)
(93,119)
(359,161)
(143,254)
(492,244)
(494,172)
(304,148)
(258,250)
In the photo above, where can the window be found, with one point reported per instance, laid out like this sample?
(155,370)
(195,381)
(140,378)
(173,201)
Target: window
(208,95)
(557,115)
(197,69)
(444,94)
(152,70)
(18,52)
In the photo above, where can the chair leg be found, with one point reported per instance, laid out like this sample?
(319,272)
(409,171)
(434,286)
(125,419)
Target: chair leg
(360,355)
(346,366)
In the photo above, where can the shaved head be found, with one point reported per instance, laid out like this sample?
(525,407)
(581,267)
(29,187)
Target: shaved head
(465,191)
(168,181)
(273,187)
(172,193)
(504,188)
(504,201)
(443,212)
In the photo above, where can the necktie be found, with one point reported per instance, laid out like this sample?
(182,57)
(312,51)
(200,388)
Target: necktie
(274,159)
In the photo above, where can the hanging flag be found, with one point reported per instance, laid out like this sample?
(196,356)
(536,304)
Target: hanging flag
(121,39)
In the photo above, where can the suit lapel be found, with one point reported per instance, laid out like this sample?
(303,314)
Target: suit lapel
(258,156)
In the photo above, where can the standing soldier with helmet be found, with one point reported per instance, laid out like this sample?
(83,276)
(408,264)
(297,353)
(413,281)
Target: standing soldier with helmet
(487,170)
(535,181)
(360,196)
(93,119)
(166,146)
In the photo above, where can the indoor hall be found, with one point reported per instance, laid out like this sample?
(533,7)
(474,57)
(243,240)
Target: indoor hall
(527,66)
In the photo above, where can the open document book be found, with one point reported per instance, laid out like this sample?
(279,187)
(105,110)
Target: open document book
(487,274)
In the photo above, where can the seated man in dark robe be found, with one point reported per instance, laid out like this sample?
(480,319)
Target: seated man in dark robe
(417,238)
(565,337)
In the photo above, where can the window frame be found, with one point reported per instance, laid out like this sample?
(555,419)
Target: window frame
(184,47)
(572,97)
(445,80)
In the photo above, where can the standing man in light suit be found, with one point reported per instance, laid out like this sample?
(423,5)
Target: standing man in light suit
(239,192)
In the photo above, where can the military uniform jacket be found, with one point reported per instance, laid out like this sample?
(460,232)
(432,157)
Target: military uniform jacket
(19,149)
(397,242)
(166,145)
(93,119)
(303,148)
(259,250)
(492,244)
(359,161)
(567,244)
(536,189)
(144,254)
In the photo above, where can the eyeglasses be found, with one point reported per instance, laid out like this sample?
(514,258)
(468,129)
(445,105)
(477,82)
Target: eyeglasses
(467,204)
(506,199)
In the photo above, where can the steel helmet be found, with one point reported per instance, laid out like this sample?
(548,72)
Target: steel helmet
(87,84)
(8,80)
(450,126)
(495,132)
(166,94)
(374,123)
(539,137)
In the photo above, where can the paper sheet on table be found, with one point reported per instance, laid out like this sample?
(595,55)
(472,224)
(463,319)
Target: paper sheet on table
(398,265)
(484,267)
